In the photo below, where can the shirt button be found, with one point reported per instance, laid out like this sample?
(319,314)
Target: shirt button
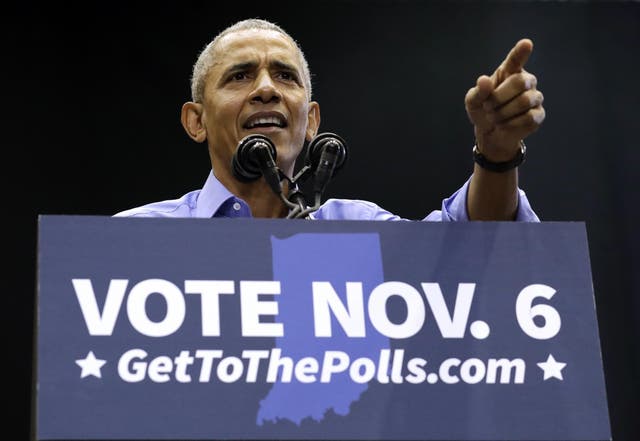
(236,206)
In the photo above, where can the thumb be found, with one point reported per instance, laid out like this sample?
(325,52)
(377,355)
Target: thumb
(475,99)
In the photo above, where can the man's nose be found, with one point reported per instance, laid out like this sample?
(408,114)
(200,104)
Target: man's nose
(265,90)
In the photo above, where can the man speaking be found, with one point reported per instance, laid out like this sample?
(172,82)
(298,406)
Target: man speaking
(252,84)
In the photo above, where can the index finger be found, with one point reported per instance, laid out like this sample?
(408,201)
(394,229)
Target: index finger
(517,57)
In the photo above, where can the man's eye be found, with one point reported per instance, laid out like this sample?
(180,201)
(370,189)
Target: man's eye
(287,76)
(238,76)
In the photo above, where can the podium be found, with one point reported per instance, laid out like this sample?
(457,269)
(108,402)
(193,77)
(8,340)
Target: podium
(256,329)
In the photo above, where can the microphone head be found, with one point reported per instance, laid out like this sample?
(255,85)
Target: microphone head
(319,143)
(245,165)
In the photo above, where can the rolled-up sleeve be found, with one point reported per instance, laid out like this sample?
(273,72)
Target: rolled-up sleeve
(454,208)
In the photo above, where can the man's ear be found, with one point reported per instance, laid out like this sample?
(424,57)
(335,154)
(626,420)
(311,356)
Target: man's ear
(191,119)
(313,120)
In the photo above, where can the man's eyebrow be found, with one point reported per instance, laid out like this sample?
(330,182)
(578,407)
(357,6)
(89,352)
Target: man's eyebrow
(239,67)
(284,66)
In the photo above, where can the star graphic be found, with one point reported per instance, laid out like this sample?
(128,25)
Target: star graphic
(90,365)
(552,368)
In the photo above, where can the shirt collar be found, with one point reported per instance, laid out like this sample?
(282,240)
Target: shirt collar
(214,197)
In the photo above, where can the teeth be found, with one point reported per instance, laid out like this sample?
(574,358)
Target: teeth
(266,120)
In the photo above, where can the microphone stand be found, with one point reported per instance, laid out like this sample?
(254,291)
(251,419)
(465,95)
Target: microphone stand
(296,200)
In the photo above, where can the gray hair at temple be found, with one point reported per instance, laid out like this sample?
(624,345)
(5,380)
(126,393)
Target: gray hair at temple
(206,58)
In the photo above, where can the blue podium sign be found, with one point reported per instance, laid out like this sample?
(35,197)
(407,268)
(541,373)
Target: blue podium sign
(255,329)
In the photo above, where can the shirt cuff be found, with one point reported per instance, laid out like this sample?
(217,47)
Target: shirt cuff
(454,208)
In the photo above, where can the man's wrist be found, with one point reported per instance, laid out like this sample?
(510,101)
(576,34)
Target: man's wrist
(500,167)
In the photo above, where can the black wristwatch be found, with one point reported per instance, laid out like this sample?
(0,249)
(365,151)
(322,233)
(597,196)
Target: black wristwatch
(500,166)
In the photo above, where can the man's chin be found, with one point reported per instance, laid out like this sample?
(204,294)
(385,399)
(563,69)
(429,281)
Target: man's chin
(286,152)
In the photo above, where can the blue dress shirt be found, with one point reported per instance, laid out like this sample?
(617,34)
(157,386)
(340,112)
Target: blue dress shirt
(214,200)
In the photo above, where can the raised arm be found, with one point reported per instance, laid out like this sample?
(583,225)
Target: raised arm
(504,108)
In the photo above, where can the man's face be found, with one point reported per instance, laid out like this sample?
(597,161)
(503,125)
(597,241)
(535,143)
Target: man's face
(256,86)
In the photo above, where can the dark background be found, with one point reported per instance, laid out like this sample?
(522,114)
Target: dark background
(92,96)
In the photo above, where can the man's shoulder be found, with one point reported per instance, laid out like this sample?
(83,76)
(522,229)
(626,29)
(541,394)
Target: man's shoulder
(181,207)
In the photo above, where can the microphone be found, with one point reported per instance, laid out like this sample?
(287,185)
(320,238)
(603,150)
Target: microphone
(255,157)
(326,154)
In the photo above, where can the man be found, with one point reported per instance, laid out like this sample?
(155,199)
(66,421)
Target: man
(253,78)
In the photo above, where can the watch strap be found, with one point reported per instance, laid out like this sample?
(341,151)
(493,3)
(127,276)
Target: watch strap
(500,167)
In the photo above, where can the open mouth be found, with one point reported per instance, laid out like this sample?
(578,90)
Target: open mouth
(263,121)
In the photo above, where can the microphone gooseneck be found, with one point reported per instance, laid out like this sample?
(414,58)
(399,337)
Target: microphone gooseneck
(256,157)
(326,154)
